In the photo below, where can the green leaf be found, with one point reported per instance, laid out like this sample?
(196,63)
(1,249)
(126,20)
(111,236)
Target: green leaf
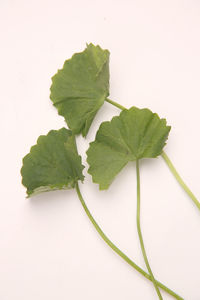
(79,89)
(134,134)
(52,164)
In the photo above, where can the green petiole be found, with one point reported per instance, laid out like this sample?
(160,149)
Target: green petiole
(169,163)
(115,104)
(180,180)
(140,233)
(118,251)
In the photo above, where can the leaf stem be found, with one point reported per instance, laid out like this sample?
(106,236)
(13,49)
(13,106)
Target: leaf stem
(140,232)
(180,180)
(118,251)
(116,104)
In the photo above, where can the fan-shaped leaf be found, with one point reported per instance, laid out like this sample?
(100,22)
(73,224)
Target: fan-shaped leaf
(52,164)
(134,134)
(80,88)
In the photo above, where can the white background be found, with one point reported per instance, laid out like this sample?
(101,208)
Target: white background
(48,247)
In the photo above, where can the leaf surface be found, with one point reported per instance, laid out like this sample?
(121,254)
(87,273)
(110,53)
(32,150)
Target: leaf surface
(52,164)
(79,89)
(134,134)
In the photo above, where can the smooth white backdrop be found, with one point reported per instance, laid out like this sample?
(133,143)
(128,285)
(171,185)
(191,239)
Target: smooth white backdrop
(48,248)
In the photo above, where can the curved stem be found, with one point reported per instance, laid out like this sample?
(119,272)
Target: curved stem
(169,163)
(140,232)
(180,180)
(118,251)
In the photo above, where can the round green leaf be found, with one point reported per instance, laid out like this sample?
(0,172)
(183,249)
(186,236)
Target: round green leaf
(52,164)
(79,89)
(134,134)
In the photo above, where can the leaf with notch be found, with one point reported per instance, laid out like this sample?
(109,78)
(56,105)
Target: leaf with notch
(79,89)
(134,134)
(52,164)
